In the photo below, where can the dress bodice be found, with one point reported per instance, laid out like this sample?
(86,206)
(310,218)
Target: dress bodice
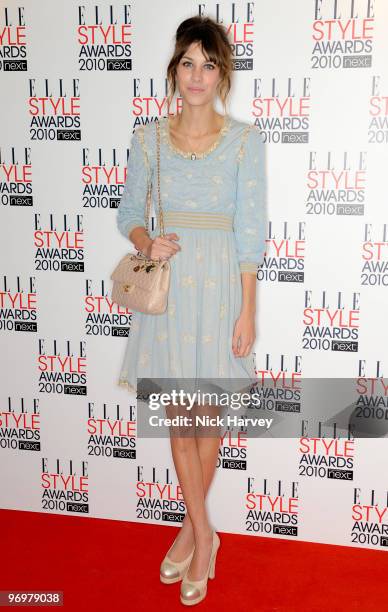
(207,183)
(229,178)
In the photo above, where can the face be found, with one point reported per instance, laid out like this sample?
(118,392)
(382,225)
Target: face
(197,78)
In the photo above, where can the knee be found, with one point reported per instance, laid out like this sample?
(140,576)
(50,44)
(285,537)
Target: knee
(183,442)
(210,431)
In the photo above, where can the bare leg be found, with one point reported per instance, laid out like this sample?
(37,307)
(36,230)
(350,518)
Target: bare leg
(195,455)
(208,455)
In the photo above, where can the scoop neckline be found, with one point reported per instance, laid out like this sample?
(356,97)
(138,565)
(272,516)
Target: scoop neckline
(189,154)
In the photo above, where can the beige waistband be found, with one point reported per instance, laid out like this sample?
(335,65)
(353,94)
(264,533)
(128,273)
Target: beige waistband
(183,218)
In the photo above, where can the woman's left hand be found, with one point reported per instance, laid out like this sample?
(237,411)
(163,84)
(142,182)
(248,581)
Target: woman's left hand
(244,335)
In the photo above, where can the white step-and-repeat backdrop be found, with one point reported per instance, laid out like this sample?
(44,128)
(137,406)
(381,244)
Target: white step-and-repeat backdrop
(76,79)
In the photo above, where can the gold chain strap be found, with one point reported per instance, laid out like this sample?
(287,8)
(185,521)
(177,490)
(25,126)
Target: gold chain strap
(149,192)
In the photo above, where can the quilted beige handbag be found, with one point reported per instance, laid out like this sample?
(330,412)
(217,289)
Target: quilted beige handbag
(139,283)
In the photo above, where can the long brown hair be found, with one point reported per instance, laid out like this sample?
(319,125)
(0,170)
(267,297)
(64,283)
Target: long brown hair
(214,45)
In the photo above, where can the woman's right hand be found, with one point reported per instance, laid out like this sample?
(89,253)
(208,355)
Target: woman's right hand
(163,247)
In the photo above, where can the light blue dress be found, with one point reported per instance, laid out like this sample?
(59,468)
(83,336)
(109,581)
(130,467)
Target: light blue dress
(216,204)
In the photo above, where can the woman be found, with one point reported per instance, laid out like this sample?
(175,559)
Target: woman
(212,187)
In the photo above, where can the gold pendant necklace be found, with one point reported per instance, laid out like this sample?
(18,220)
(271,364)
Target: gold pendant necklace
(192,154)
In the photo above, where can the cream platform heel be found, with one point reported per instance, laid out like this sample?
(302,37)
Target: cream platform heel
(173,571)
(194,591)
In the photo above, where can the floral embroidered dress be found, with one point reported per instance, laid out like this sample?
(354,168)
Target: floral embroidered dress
(215,202)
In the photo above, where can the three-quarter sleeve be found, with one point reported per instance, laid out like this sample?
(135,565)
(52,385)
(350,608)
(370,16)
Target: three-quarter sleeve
(250,216)
(131,210)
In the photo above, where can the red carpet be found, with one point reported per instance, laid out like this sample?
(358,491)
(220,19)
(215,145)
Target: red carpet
(114,566)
